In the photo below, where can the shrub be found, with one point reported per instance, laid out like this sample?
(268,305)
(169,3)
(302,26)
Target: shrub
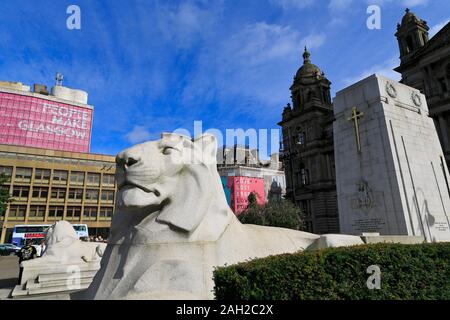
(275,213)
(408,272)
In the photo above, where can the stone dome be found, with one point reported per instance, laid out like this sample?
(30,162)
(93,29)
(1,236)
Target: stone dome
(408,17)
(308,69)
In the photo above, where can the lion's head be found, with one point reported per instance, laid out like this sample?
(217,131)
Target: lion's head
(172,182)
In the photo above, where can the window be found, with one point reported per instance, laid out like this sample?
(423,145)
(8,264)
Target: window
(106,212)
(40,193)
(60,177)
(55,212)
(443,84)
(303,176)
(37,213)
(73,213)
(424,38)
(42,175)
(108,180)
(23,174)
(305,207)
(92,195)
(301,138)
(75,195)
(90,213)
(409,44)
(93,179)
(6,171)
(17,212)
(58,194)
(77,178)
(21,193)
(107,196)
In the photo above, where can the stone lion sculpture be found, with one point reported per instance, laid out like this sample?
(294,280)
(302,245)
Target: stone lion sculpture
(64,247)
(173,225)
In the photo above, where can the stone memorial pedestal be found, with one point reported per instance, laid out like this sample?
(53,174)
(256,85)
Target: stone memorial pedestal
(390,170)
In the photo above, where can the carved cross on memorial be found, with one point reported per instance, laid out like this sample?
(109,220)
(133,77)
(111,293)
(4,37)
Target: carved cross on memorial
(356,116)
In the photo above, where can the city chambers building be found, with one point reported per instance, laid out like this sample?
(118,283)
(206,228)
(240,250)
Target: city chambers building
(307,125)
(307,148)
(44,152)
(425,65)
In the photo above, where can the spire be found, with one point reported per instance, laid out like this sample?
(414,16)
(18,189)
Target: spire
(306,56)
(407,10)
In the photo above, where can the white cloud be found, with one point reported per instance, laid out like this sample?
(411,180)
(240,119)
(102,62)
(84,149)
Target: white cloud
(185,23)
(436,28)
(339,4)
(138,134)
(403,3)
(255,66)
(293,4)
(384,69)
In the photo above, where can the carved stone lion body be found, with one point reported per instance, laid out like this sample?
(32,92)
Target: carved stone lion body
(173,225)
(63,247)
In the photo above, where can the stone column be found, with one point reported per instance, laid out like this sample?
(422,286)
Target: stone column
(444,132)
(3,233)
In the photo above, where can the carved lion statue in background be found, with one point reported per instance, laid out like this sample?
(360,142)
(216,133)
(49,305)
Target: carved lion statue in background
(173,225)
(63,247)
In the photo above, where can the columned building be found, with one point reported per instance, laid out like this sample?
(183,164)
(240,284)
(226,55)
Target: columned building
(307,151)
(425,65)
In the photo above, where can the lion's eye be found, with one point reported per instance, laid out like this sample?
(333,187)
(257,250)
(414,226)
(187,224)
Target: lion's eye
(167,151)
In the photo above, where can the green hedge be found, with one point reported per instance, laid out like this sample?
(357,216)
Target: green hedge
(408,272)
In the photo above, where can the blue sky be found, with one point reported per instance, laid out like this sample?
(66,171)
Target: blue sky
(153,66)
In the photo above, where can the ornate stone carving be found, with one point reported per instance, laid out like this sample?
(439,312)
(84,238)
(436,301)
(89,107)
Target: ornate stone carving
(416,99)
(391,90)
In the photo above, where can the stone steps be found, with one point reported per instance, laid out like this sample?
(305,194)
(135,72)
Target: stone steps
(19,292)
(63,276)
(54,282)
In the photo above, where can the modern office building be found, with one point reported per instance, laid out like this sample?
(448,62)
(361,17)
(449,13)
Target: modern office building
(44,150)
(48,186)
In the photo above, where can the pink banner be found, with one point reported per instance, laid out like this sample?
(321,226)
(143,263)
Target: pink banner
(241,187)
(34,122)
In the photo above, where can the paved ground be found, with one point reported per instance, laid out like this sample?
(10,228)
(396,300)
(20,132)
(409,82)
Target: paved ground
(9,273)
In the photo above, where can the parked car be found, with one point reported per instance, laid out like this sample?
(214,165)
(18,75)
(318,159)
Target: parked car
(8,249)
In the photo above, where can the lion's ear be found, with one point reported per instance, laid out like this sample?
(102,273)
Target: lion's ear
(208,148)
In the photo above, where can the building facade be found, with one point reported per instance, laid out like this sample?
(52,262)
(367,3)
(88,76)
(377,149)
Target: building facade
(307,148)
(60,120)
(48,186)
(425,65)
(240,188)
(245,163)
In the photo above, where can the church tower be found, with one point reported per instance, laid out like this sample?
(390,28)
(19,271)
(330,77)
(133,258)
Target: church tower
(310,88)
(412,34)
(307,151)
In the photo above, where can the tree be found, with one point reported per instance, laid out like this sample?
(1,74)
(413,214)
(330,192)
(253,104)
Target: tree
(5,197)
(276,213)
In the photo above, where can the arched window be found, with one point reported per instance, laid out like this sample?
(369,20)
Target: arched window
(301,138)
(409,44)
(424,38)
(303,175)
